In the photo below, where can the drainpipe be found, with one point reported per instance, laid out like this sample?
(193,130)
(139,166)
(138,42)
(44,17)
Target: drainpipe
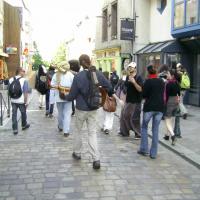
(134,18)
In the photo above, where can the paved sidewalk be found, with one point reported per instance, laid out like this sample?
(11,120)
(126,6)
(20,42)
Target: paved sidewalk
(189,145)
(37,165)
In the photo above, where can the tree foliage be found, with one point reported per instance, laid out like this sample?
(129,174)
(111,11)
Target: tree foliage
(60,54)
(37,58)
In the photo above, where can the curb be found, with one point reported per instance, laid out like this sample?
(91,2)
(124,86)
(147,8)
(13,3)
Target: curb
(188,155)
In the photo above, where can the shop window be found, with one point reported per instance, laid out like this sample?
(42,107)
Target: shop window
(114,21)
(191,12)
(105,25)
(172,60)
(179,13)
(161,5)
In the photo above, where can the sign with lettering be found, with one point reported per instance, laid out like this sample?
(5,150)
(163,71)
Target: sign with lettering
(127,29)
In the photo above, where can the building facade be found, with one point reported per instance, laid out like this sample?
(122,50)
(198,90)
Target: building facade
(168,33)
(185,28)
(17,35)
(153,29)
(110,51)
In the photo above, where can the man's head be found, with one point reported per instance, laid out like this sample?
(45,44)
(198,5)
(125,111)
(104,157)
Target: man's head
(132,69)
(85,61)
(74,65)
(179,67)
(20,71)
(151,69)
(63,66)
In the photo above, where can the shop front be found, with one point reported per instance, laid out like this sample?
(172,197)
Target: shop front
(186,30)
(157,54)
(111,58)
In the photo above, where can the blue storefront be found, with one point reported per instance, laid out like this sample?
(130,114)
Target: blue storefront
(186,30)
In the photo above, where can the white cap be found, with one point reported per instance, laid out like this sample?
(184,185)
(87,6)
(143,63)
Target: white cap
(178,65)
(132,64)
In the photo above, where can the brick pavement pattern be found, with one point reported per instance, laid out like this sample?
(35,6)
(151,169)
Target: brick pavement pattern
(37,165)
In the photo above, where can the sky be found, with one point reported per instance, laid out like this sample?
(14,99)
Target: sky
(53,21)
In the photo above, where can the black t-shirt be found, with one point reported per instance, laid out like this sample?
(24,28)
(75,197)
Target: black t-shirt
(133,96)
(153,93)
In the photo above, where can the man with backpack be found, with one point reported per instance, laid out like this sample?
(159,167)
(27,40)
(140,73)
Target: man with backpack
(185,85)
(85,90)
(18,92)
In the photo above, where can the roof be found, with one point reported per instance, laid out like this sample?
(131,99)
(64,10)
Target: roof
(172,46)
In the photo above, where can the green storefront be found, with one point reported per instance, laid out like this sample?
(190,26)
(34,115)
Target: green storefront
(111,58)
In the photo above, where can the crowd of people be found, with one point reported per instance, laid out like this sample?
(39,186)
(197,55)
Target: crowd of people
(75,88)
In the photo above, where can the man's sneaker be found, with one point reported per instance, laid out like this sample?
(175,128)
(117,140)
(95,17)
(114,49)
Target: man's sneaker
(50,115)
(47,114)
(15,132)
(137,137)
(26,127)
(96,164)
(106,131)
(178,136)
(166,137)
(121,134)
(185,116)
(66,134)
(152,157)
(76,156)
(142,153)
(173,138)
(60,129)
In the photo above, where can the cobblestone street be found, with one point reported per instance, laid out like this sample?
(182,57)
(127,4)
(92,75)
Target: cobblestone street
(37,164)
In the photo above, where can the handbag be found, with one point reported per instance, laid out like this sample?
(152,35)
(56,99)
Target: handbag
(62,95)
(110,104)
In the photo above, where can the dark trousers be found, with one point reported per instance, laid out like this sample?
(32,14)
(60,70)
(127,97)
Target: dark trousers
(22,109)
(73,107)
(49,107)
(130,118)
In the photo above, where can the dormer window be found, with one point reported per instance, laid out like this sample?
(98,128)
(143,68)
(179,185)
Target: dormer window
(161,5)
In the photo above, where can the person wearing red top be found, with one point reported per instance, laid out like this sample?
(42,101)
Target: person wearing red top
(152,92)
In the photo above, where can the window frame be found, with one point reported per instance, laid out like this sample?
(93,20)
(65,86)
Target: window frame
(175,4)
(113,37)
(198,12)
(185,15)
(159,6)
(105,22)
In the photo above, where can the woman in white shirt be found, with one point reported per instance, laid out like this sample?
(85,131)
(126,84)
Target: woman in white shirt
(63,78)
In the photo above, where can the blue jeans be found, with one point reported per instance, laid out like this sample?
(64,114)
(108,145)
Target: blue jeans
(156,118)
(64,115)
(22,109)
(49,107)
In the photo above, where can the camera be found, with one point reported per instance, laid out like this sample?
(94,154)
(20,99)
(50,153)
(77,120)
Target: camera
(163,75)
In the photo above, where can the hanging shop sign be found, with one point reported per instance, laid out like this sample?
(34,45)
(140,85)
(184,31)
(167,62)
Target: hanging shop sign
(127,29)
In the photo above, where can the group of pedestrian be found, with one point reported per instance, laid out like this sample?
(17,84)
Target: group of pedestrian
(159,93)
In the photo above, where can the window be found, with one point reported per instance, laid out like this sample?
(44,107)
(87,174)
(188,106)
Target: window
(105,26)
(179,14)
(191,12)
(161,4)
(114,21)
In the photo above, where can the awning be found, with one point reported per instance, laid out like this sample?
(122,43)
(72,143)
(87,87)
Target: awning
(172,46)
